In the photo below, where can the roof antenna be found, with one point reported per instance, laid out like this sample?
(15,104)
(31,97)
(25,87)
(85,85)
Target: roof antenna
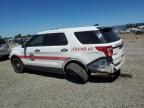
(96,24)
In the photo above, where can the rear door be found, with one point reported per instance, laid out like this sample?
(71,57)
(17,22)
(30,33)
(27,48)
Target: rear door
(48,50)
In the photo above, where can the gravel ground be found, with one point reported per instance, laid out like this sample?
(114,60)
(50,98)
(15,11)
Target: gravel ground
(40,89)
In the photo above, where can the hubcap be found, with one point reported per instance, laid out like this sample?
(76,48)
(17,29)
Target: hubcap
(17,65)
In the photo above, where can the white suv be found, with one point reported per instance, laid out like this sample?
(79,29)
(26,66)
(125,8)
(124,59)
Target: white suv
(83,51)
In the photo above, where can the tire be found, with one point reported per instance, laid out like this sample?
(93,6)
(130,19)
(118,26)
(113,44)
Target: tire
(77,72)
(115,74)
(138,33)
(17,65)
(118,72)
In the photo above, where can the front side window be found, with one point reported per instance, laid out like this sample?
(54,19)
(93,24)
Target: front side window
(37,40)
(54,39)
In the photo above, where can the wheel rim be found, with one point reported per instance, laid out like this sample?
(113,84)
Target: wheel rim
(73,77)
(17,65)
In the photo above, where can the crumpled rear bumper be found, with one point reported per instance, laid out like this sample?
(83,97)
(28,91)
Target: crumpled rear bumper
(104,65)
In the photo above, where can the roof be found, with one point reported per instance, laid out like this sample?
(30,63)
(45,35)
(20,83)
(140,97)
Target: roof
(70,29)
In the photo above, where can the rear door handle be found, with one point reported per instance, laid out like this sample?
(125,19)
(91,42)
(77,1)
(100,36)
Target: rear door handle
(64,50)
(37,50)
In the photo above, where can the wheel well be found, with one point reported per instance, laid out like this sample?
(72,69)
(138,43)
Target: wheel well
(77,62)
(14,56)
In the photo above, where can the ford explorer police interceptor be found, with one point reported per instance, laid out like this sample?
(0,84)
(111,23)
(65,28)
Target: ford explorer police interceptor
(83,51)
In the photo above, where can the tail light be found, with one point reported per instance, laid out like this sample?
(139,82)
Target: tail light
(108,50)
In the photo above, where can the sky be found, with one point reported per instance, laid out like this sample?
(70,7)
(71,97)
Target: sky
(32,16)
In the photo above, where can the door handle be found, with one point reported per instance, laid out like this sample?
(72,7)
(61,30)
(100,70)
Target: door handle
(37,50)
(64,50)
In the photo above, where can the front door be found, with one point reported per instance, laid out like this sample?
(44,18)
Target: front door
(47,50)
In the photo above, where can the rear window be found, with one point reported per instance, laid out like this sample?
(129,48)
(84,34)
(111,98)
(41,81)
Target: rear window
(109,35)
(2,41)
(97,37)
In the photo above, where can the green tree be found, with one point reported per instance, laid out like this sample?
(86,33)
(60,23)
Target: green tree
(18,36)
(28,35)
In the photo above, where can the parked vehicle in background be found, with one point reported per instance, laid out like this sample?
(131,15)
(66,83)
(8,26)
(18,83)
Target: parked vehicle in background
(125,31)
(138,30)
(4,49)
(21,40)
(82,52)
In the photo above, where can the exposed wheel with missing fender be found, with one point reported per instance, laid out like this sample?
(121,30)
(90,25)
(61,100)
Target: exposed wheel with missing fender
(77,72)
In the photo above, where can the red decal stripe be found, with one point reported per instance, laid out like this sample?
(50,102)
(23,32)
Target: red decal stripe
(46,57)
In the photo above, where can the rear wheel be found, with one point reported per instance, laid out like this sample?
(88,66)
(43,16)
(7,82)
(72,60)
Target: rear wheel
(17,65)
(115,74)
(138,33)
(77,72)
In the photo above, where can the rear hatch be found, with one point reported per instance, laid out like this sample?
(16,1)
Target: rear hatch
(112,39)
(104,40)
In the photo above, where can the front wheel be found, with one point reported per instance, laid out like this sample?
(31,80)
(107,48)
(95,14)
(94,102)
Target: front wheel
(76,71)
(17,65)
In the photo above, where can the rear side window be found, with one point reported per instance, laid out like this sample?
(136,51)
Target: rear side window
(88,37)
(55,39)
(2,41)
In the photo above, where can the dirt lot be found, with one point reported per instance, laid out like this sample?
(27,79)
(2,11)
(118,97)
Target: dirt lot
(39,89)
